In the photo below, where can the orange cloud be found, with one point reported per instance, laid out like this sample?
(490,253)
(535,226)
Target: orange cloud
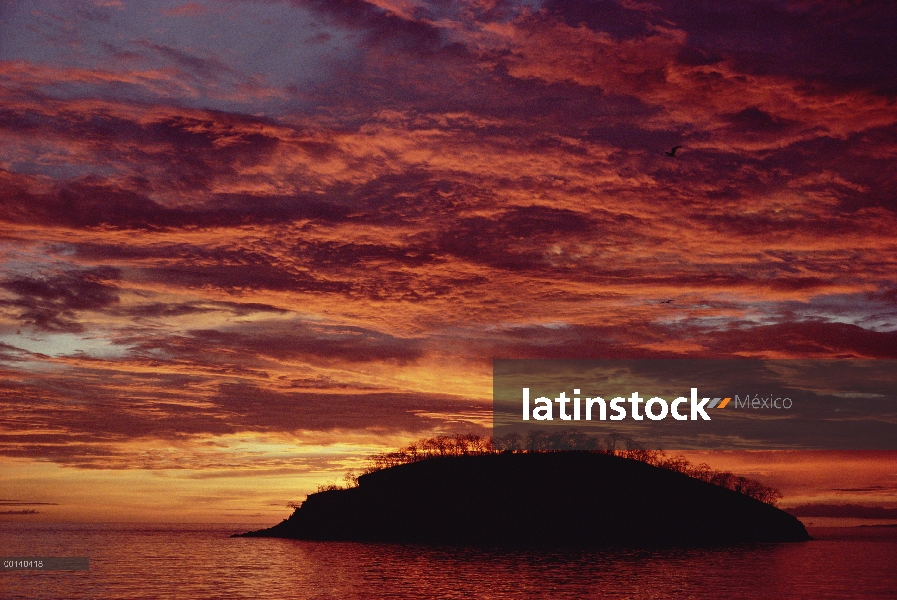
(329,237)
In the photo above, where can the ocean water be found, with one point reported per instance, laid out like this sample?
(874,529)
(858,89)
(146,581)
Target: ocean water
(200,561)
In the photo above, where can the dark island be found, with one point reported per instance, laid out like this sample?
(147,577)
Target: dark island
(542,499)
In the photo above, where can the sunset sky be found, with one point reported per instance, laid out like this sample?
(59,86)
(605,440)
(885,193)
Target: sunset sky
(245,244)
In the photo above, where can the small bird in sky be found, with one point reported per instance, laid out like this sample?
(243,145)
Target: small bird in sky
(666,301)
(673,151)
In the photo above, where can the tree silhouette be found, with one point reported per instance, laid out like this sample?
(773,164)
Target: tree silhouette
(564,441)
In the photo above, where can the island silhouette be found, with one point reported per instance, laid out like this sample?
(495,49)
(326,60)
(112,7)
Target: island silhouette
(536,499)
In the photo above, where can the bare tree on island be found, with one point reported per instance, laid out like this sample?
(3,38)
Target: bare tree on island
(572,440)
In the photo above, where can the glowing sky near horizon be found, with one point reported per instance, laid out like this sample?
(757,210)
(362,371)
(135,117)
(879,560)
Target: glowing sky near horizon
(244,244)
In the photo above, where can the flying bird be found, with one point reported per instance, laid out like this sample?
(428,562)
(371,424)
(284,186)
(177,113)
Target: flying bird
(666,301)
(673,151)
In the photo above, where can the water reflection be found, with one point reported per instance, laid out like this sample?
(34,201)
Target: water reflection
(163,561)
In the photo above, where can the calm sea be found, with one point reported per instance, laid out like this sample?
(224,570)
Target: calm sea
(202,562)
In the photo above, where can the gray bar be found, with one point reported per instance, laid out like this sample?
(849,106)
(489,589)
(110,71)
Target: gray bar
(45,563)
(773,404)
